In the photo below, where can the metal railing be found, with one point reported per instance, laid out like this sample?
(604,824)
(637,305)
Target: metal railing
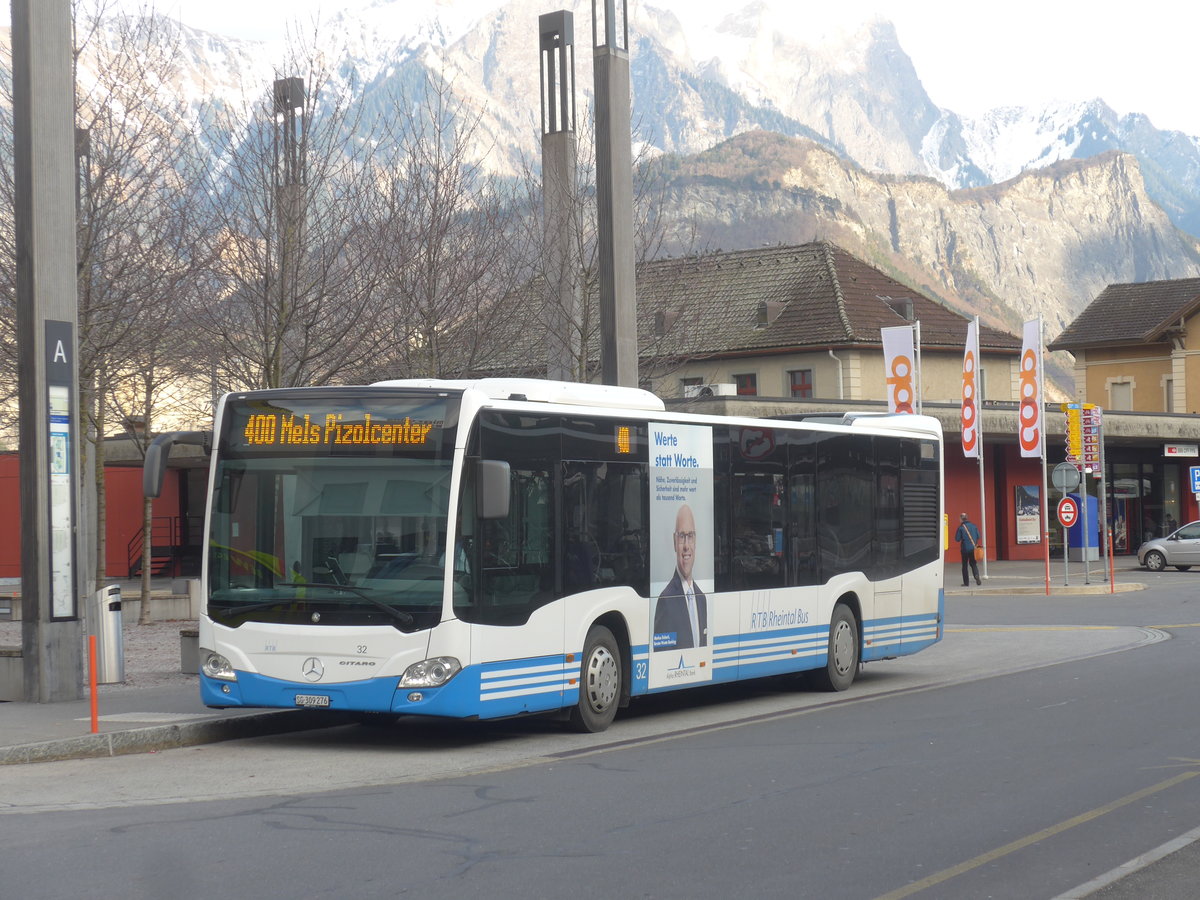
(174,546)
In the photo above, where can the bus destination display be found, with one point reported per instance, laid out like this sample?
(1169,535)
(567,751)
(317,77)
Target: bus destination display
(333,427)
(289,429)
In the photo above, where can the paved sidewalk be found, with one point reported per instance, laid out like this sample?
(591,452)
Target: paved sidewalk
(157,707)
(1029,577)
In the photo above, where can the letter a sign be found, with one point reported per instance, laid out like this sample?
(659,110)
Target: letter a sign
(1030,426)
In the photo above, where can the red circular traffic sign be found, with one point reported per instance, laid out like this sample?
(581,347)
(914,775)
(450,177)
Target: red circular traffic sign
(1068,511)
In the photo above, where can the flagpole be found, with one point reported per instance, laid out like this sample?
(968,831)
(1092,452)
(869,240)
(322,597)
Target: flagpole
(983,529)
(917,348)
(1045,480)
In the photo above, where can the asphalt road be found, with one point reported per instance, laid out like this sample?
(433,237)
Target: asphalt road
(1044,745)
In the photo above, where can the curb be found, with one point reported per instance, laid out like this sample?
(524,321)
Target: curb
(1055,589)
(168,737)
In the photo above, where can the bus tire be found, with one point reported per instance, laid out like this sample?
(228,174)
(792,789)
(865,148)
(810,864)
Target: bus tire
(842,664)
(599,682)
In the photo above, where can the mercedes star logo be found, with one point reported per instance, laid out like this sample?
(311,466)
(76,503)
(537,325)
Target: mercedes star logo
(312,669)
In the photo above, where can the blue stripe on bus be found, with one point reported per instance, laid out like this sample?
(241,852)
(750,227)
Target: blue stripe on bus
(539,684)
(492,691)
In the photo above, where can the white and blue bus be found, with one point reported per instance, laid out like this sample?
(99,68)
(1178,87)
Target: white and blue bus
(500,547)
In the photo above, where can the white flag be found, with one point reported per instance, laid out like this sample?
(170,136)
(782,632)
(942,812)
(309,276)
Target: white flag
(970,394)
(1030,424)
(899,368)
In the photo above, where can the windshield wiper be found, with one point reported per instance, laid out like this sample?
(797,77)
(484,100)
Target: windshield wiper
(398,614)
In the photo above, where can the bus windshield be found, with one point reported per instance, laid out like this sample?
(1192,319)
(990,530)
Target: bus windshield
(331,511)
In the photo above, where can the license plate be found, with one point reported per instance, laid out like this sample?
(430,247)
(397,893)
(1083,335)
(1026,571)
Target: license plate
(312,700)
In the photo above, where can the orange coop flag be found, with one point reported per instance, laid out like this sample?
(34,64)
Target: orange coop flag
(899,368)
(1030,414)
(970,394)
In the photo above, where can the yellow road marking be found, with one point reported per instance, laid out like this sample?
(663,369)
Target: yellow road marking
(1022,843)
(1181,762)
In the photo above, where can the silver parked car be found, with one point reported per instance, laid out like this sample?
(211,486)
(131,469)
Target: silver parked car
(1180,548)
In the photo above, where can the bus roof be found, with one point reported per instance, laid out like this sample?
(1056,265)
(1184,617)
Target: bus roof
(539,390)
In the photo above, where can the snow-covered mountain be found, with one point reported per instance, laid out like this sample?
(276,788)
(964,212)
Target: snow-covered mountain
(700,77)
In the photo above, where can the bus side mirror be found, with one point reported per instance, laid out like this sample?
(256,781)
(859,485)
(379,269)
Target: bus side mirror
(492,481)
(155,465)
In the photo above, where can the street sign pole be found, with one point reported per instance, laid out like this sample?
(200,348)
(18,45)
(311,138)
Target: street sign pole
(1066,573)
(1083,518)
(1065,477)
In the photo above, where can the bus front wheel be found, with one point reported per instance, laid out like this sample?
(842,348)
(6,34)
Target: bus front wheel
(842,665)
(599,682)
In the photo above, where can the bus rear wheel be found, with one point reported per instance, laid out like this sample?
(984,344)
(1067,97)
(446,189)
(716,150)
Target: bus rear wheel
(599,682)
(842,665)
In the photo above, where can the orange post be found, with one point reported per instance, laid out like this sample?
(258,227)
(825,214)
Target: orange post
(1112,584)
(1046,555)
(92,682)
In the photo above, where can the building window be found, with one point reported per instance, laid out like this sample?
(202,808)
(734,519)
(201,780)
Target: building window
(747,385)
(800,383)
(685,383)
(1169,395)
(1120,395)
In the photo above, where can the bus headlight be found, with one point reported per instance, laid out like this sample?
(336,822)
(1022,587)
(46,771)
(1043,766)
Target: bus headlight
(217,666)
(430,672)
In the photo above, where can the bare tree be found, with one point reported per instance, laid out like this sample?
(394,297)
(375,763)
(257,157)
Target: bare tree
(158,378)
(289,297)
(446,250)
(650,231)
(136,234)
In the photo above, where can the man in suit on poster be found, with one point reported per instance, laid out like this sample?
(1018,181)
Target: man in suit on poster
(682,609)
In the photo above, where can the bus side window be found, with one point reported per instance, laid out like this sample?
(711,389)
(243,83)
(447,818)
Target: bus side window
(846,503)
(517,553)
(604,520)
(886,557)
(802,512)
(759,508)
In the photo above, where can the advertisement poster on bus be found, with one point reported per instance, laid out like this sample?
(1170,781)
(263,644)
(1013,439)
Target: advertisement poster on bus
(681,554)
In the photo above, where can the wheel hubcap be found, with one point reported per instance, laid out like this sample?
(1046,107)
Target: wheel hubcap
(601,679)
(843,648)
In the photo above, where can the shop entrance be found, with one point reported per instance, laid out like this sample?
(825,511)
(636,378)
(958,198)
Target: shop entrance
(1145,503)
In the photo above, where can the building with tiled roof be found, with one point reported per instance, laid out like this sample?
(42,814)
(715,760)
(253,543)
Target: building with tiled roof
(798,321)
(1137,347)
(801,321)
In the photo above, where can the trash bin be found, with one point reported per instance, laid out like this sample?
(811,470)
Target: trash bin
(110,642)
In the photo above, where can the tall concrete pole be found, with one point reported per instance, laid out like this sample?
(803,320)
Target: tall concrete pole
(290,176)
(614,193)
(556,41)
(44,169)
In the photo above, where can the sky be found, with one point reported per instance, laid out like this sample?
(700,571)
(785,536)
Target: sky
(970,56)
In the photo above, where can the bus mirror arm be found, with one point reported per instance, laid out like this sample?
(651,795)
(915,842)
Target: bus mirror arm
(493,478)
(155,466)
